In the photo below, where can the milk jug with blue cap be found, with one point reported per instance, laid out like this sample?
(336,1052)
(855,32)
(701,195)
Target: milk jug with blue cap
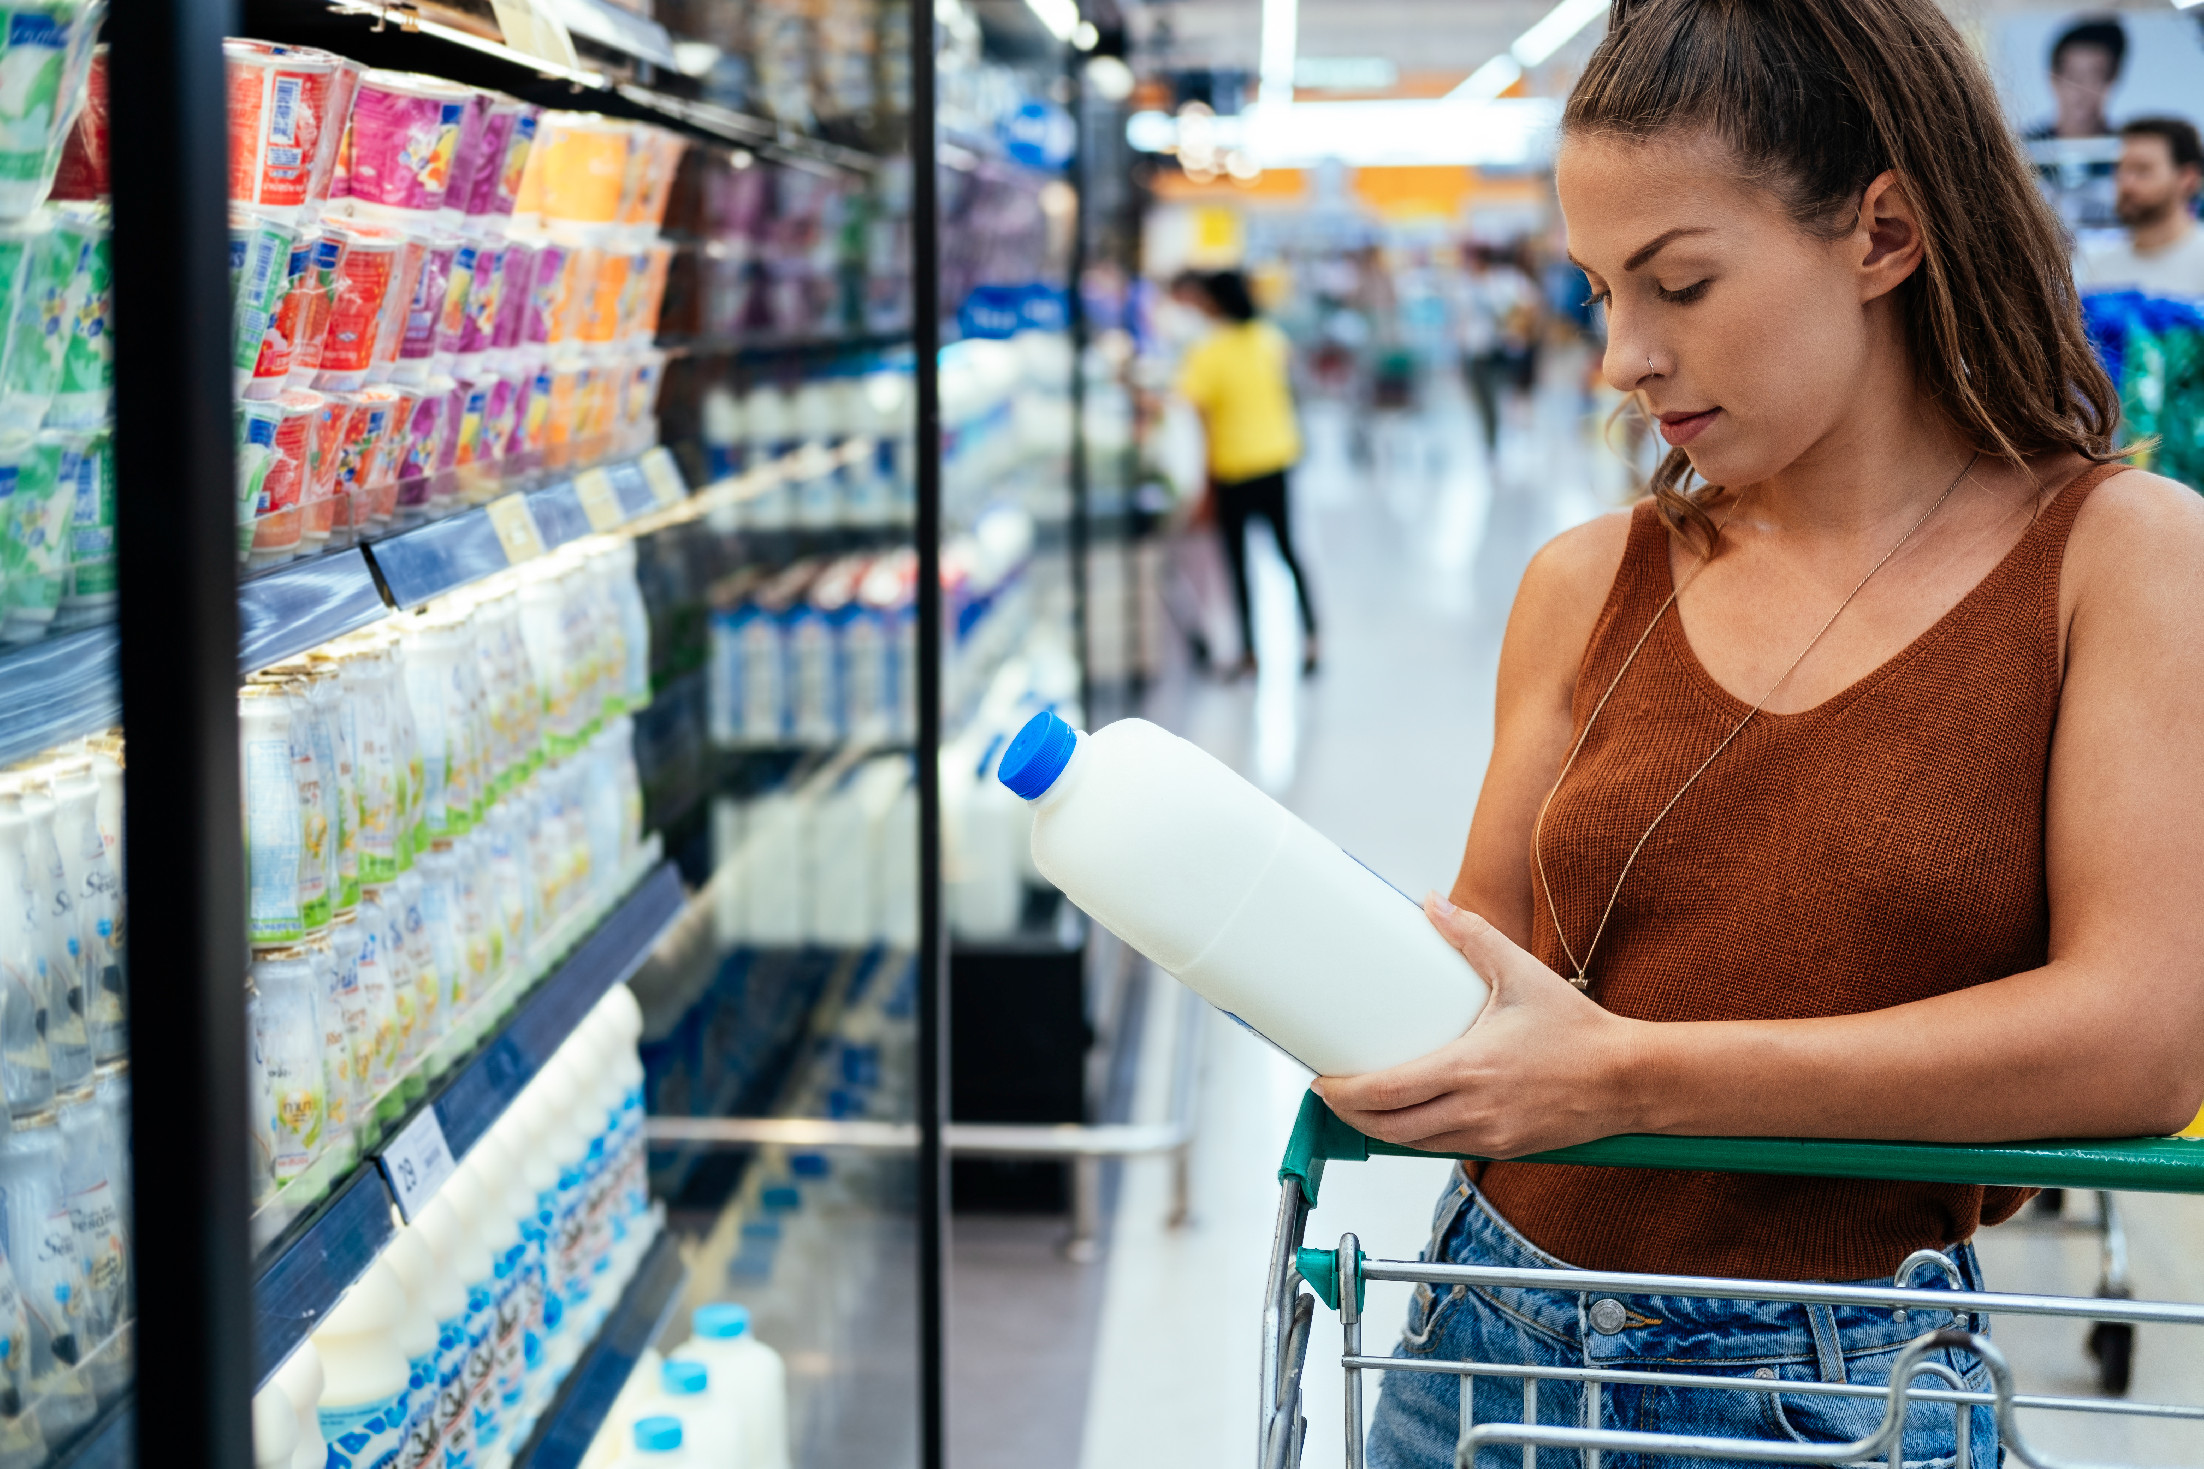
(1241,900)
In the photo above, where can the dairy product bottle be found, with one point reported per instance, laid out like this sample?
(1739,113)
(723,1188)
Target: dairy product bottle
(711,1420)
(519,1301)
(275,1429)
(363,1405)
(481,1201)
(98,1225)
(751,1374)
(415,1264)
(440,1230)
(41,1245)
(659,1444)
(68,1042)
(470,1261)
(536,1190)
(22,1440)
(26,976)
(1244,902)
(95,891)
(637,1399)
(300,1380)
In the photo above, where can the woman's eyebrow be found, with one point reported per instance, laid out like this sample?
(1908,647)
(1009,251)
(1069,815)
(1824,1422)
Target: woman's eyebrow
(1661,242)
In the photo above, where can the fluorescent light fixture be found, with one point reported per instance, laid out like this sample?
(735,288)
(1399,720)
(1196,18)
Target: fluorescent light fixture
(1086,37)
(1345,73)
(1060,16)
(1507,133)
(1281,37)
(1553,31)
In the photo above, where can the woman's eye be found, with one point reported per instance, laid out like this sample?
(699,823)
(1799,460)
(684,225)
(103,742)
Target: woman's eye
(1683,296)
(1597,298)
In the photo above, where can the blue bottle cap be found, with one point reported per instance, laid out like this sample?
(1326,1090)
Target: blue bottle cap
(722,1321)
(684,1378)
(781,1198)
(660,1435)
(1037,756)
(808,1165)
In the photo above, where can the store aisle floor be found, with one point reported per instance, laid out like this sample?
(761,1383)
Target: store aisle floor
(1415,552)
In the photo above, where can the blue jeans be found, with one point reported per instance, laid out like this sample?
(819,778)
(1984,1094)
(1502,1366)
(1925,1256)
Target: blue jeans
(1418,1413)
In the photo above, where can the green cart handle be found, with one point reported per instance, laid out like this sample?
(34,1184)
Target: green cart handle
(2164,1165)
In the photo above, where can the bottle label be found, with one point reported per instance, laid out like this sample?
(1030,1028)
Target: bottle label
(369,1436)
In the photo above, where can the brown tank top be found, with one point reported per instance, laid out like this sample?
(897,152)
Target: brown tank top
(1881,847)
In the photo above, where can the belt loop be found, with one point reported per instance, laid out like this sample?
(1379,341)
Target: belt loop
(1828,1346)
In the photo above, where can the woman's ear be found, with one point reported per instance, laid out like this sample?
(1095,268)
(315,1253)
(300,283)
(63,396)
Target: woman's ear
(1887,236)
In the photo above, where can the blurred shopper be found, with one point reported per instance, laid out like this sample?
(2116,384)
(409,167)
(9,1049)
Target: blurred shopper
(1497,323)
(1237,379)
(2161,170)
(1849,786)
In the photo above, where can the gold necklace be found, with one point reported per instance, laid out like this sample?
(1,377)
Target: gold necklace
(1582,979)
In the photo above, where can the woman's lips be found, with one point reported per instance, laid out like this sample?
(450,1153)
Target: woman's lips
(1681,428)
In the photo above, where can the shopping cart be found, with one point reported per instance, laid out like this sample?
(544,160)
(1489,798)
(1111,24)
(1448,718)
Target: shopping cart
(1338,1276)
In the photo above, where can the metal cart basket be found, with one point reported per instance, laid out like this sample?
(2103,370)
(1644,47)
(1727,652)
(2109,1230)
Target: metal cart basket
(1337,1277)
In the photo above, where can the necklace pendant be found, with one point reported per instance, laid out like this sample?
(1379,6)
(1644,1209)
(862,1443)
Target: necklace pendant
(1582,981)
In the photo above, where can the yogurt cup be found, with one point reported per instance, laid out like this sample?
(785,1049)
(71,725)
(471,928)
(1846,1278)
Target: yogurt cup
(84,392)
(598,321)
(642,326)
(517,278)
(37,503)
(272,367)
(366,278)
(508,133)
(398,305)
(344,88)
(45,51)
(319,306)
(425,308)
(38,332)
(451,321)
(83,170)
(260,253)
(88,582)
(279,108)
(469,157)
(584,170)
(404,134)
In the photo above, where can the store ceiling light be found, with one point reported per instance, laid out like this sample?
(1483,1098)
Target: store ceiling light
(1507,133)
(1060,16)
(1281,38)
(1553,31)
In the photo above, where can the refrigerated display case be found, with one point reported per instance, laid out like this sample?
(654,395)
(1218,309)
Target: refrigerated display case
(574,506)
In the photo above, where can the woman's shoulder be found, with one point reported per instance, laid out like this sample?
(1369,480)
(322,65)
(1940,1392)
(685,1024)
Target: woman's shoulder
(1566,585)
(2133,561)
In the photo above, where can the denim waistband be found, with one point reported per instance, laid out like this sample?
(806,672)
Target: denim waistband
(1664,1330)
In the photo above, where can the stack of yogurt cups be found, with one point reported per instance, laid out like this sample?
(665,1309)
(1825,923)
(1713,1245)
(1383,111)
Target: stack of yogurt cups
(57,548)
(411,336)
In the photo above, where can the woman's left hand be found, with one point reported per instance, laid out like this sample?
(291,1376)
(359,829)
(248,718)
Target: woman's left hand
(1542,1066)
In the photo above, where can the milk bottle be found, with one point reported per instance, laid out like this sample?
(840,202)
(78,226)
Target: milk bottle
(659,1445)
(26,978)
(95,888)
(711,1420)
(41,1244)
(469,1262)
(275,1429)
(414,1263)
(1244,902)
(480,1198)
(439,1229)
(751,1374)
(22,1441)
(637,1399)
(68,1043)
(300,1381)
(98,1225)
(363,1397)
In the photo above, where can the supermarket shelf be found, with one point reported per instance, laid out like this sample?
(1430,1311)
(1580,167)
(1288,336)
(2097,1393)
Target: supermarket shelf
(58,689)
(770,349)
(289,609)
(110,1443)
(419,565)
(336,1244)
(586,1397)
(395,35)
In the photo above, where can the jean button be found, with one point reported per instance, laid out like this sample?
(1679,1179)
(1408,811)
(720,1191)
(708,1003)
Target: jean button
(1765,1374)
(1608,1316)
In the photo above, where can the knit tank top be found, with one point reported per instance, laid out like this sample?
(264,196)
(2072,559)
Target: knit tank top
(1882,847)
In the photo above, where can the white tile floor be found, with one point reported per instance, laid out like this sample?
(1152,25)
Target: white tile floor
(1414,562)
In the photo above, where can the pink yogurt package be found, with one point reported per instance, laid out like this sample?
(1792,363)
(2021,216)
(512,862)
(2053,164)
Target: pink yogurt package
(404,135)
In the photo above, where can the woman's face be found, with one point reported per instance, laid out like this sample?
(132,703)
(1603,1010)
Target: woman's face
(1752,340)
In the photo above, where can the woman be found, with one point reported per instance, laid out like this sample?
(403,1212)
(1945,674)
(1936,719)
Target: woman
(1236,379)
(1850,786)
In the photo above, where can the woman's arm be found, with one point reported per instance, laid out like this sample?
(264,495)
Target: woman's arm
(2105,1040)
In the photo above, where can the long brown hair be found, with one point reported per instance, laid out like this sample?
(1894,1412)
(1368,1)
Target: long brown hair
(1815,99)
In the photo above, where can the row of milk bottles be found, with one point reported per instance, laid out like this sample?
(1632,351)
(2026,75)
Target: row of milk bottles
(63,1009)
(807,428)
(388,926)
(445,1353)
(831,859)
(717,1401)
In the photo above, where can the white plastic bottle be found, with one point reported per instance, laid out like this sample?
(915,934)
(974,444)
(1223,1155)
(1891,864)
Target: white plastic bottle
(1243,901)
(363,1395)
(711,1419)
(441,1231)
(659,1444)
(637,1399)
(752,1376)
(275,1429)
(300,1379)
(415,1263)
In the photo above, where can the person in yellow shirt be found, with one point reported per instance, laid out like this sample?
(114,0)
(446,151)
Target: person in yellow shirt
(1236,378)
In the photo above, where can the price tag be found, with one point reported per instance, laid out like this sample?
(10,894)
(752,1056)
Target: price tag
(633,489)
(599,503)
(417,1162)
(664,476)
(516,531)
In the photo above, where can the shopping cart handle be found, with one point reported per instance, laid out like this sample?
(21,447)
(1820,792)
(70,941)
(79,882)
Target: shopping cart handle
(2165,1165)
